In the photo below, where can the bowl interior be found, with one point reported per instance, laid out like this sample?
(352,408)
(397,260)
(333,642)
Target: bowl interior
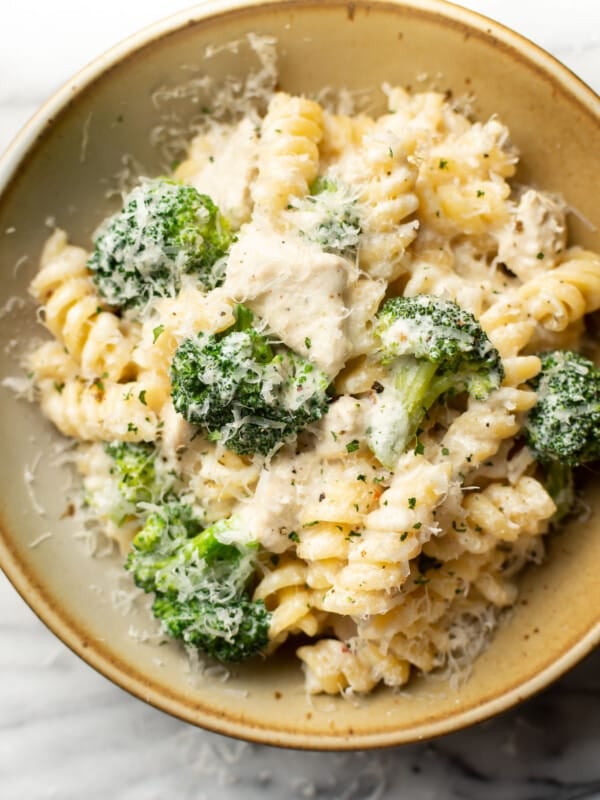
(66,179)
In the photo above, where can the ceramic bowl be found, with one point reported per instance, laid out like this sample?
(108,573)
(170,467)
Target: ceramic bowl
(58,170)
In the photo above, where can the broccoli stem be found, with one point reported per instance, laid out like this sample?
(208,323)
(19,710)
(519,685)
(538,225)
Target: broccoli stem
(394,420)
(244,318)
(559,483)
(430,346)
(207,545)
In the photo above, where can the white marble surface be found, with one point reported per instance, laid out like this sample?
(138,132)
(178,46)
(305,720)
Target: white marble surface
(68,733)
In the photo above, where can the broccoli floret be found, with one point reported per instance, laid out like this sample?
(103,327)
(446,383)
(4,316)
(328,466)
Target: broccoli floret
(563,428)
(430,347)
(164,532)
(130,477)
(229,633)
(244,389)
(135,470)
(560,485)
(201,580)
(165,229)
(328,216)
(564,425)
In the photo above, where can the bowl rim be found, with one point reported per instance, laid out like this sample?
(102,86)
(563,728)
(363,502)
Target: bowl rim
(69,630)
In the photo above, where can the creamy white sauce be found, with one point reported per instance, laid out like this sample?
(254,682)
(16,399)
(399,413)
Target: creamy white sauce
(535,235)
(297,289)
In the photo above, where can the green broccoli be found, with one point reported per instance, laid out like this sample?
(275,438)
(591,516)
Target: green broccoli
(165,229)
(134,469)
(430,347)
(560,485)
(230,633)
(201,581)
(328,216)
(563,428)
(246,390)
(163,534)
(132,477)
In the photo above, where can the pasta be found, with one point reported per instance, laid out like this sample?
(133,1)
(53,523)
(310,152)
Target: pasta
(381,559)
(387,199)
(98,411)
(73,312)
(289,156)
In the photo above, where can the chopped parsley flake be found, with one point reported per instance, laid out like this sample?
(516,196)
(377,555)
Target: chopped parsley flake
(156,332)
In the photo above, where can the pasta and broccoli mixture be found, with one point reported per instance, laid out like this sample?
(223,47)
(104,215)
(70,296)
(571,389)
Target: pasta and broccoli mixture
(329,383)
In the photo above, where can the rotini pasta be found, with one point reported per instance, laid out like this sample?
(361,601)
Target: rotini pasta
(73,312)
(285,590)
(334,667)
(99,411)
(386,200)
(289,155)
(562,296)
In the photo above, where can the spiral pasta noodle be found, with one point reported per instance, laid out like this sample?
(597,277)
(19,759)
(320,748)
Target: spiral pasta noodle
(563,295)
(461,191)
(284,590)
(478,433)
(378,558)
(509,511)
(502,512)
(386,201)
(341,133)
(99,411)
(73,313)
(333,667)
(219,479)
(289,154)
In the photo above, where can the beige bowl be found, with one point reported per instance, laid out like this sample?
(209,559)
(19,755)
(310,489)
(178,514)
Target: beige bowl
(58,168)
